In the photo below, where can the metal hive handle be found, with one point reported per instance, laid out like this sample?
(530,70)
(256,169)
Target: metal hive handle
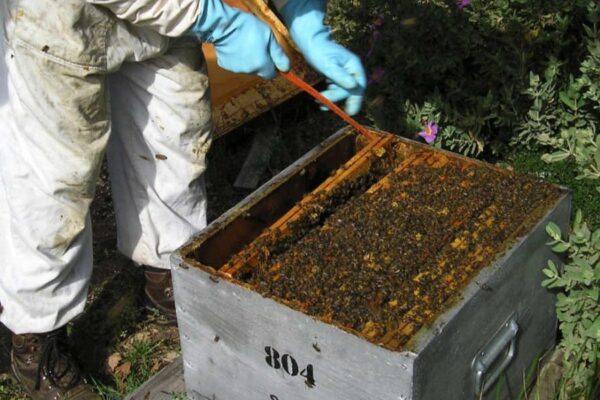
(488,364)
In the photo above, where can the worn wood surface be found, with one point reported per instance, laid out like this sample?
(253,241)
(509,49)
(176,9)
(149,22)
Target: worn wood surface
(238,345)
(166,385)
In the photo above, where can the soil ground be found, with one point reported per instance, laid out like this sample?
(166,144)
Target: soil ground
(118,345)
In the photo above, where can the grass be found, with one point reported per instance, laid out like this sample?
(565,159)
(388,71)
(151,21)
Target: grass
(585,194)
(137,368)
(105,391)
(8,390)
(530,378)
(140,357)
(591,391)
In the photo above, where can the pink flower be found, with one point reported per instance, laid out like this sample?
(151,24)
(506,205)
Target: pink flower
(461,4)
(429,132)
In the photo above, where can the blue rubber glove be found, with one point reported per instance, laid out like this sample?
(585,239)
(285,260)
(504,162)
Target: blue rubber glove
(344,70)
(243,43)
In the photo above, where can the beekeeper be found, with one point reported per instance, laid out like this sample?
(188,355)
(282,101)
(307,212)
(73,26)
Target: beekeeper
(79,77)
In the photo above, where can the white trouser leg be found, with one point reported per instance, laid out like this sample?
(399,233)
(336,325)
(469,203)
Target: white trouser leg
(54,127)
(53,132)
(157,154)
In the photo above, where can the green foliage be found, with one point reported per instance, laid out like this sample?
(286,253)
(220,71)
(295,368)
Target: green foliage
(451,137)
(582,145)
(541,117)
(9,390)
(471,66)
(105,391)
(565,107)
(578,305)
(585,196)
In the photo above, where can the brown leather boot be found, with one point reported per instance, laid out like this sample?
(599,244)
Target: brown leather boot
(47,371)
(158,294)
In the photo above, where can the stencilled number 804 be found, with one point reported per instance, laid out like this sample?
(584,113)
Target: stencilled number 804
(289,365)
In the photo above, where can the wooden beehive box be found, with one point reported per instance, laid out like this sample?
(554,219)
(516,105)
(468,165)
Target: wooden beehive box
(382,270)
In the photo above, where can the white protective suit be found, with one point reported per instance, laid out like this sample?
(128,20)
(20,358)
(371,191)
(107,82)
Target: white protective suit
(77,78)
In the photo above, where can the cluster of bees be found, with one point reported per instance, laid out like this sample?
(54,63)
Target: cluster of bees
(381,255)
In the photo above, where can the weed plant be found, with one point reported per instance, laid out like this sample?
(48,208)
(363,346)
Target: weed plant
(585,194)
(139,360)
(8,390)
(578,307)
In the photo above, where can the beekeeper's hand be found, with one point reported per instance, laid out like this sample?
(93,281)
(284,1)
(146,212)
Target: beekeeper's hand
(242,42)
(343,69)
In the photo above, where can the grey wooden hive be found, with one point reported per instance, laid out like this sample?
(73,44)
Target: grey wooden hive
(239,345)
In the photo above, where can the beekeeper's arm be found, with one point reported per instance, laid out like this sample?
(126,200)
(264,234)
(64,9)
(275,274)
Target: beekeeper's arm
(243,43)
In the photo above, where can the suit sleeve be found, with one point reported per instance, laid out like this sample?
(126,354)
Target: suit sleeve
(168,17)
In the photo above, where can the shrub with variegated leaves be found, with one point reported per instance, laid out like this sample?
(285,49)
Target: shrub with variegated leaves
(577,306)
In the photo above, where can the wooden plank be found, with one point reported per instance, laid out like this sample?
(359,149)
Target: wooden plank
(548,381)
(167,384)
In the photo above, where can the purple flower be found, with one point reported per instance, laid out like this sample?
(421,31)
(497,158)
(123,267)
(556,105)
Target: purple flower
(376,75)
(378,23)
(461,4)
(429,132)
(375,29)
(374,38)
